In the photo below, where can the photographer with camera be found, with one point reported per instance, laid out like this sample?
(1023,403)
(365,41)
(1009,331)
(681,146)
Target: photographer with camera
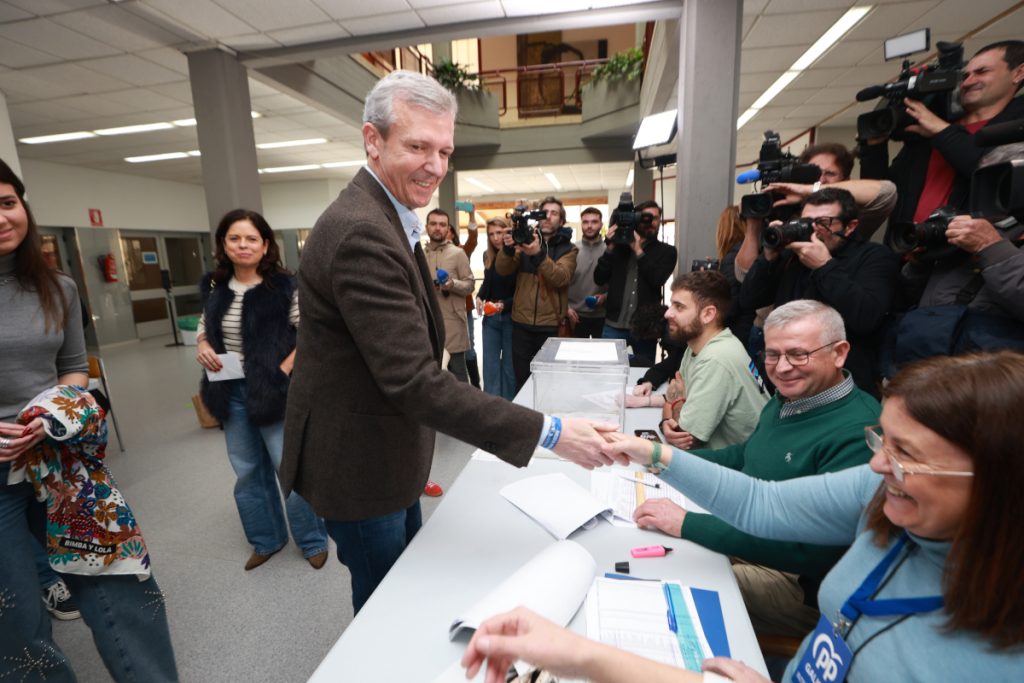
(635,267)
(966,274)
(934,167)
(544,262)
(818,256)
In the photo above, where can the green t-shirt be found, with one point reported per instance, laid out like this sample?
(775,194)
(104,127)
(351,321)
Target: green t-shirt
(724,395)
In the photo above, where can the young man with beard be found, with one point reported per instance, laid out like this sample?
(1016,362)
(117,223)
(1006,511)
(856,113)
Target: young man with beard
(717,397)
(442,254)
(587,320)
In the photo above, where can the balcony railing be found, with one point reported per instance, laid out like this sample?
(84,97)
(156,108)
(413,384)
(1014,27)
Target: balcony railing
(541,89)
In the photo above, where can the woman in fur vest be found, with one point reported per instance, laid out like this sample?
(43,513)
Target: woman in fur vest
(251,309)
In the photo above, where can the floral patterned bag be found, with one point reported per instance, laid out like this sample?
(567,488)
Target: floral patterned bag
(89,527)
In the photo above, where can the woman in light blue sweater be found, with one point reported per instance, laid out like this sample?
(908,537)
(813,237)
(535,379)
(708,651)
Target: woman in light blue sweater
(934,512)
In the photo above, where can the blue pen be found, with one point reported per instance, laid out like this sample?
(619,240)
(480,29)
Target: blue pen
(671,609)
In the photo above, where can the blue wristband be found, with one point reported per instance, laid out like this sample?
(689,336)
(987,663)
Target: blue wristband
(554,432)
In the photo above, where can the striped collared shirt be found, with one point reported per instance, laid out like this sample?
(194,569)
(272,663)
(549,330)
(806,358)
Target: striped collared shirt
(830,395)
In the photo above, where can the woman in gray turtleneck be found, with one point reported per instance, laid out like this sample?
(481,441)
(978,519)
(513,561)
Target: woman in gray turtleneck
(42,345)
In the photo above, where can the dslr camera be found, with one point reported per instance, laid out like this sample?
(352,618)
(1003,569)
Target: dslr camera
(928,235)
(627,219)
(794,230)
(937,86)
(522,231)
(774,166)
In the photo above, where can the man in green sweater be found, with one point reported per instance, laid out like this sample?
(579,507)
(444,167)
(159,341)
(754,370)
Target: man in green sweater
(814,424)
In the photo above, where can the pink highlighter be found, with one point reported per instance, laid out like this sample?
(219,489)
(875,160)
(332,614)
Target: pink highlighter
(650,551)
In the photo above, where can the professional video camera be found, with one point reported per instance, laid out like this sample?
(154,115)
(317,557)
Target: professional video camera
(522,231)
(774,166)
(937,86)
(627,219)
(997,191)
(795,230)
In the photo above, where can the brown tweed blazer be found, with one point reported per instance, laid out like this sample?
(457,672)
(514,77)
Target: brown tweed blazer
(367,392)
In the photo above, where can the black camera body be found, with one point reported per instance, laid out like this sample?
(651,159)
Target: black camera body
(627,219)
(997,191)
(774,166)
(522,231)
(795,230)
(937,86)
(927,237)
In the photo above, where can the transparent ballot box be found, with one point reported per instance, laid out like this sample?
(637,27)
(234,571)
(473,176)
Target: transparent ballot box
(581,378)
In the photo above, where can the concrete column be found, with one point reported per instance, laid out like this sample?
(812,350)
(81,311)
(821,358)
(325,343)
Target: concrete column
(643,184)
(8,146)
(447,193)
(709,69)
(220,94)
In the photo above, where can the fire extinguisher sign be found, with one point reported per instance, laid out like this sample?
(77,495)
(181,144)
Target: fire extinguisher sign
(96,218)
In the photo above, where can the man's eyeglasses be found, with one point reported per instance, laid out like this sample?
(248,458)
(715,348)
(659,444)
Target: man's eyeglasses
(900,470)
(825,222)
(795,358)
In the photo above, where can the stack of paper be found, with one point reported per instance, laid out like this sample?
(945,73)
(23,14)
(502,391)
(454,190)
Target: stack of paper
(556,502)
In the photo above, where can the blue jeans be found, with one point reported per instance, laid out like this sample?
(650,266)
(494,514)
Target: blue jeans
(499,375)
(369,547)
(643,349)
(255,455)
(127,617)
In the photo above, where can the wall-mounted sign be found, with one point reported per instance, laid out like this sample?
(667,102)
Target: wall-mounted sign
(149,258)
(96,218)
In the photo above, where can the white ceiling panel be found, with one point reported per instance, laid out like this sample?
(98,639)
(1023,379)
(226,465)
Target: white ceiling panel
(16,56)
(385,23)
(57,40)
(847,52)
(203,17)
(268,15)
(116,26)
(45,7)
(886,21)
(21,85)
(167,58)
(772,59)
(474,11)
(10,13)
(348,9)
(947,20)
(790,29)
(180,92)
(250,41)
(75,79)
(309,34)
(132,69)
(801,6)
(754,6)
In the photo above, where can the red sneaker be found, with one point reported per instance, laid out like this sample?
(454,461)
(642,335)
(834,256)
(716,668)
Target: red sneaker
(432,489)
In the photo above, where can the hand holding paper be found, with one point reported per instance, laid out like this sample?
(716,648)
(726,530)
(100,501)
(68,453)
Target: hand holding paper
(231,368)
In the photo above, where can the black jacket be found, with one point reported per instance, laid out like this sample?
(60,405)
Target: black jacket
(653,270)
(859,282)
(267,338)
(910,167)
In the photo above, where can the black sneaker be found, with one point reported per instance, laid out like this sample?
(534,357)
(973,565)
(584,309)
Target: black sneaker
(59,602)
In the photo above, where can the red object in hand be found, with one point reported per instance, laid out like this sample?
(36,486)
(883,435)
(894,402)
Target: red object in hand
(490,308)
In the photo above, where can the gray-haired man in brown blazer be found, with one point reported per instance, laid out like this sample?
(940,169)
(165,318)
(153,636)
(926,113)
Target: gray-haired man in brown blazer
(368,393)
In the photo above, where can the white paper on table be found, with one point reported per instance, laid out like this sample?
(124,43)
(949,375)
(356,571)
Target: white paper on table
(231,368)
(623,497)
(632,615)
(553,584)
(587,351)
(556,502)
(456,674)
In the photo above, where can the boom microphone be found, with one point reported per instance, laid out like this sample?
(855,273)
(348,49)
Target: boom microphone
(751,176)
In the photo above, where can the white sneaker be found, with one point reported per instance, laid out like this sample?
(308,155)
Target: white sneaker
(59,602)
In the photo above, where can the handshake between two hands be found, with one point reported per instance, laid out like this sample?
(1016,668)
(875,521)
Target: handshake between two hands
(592,444)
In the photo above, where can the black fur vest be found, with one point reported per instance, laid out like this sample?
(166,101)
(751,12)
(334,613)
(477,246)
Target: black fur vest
(267,338)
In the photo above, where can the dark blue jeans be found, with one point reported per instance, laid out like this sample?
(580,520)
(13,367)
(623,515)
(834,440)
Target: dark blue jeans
(127,617)
(369,547)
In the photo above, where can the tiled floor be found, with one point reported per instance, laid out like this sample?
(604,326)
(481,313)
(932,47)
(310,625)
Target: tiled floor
(272,624)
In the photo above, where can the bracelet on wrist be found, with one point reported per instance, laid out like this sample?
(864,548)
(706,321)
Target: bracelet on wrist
(656,457)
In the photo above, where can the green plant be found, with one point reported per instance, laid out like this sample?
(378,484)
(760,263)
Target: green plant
(623,66)
(454,77)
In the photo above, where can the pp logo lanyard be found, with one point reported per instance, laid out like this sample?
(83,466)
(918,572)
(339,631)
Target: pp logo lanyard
(828,657)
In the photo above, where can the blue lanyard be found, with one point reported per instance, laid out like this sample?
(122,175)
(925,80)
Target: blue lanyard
(861,601)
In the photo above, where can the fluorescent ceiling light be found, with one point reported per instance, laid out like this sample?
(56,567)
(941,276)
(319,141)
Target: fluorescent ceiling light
(629,178)
(474,181)
(255,114)
(343,164)
(553,180)
(194,153)
(156,157)
(291,143)
(184,123)
(59,137)
(141,128)
(290,169)
(811,55)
